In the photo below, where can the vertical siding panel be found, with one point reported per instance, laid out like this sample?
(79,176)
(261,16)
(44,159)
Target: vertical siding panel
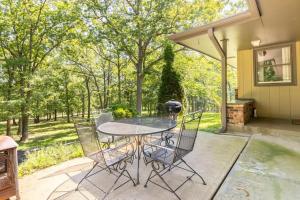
(240,61)
(245,73)
(241,66)
(264,95)
(274,102)
(248,74)
(284,102)
(295,90)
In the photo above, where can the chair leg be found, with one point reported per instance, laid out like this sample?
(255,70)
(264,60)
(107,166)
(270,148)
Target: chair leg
(149,177)
(86,175)
(130,177)
(204,183)
(163,180)
(112,187)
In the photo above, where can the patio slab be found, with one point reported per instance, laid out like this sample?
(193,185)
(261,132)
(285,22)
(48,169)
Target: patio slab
(269,168)
(212,157)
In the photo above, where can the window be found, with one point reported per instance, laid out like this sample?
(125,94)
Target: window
(274,65)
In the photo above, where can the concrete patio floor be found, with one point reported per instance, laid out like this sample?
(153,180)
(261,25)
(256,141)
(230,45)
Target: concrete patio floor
(212,157)
(269,168)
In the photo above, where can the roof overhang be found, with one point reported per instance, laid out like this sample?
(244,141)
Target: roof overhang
(269,21)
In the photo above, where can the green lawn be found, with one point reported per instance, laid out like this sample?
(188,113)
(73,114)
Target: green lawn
(210,122)
(45,133)
(52,134)
(49,156)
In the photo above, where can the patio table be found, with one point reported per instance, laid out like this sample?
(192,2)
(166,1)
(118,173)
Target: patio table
(137,127)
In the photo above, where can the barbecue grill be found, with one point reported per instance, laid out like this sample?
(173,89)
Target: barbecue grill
(173,108)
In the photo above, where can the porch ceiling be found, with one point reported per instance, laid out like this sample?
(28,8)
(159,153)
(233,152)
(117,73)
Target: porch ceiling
(270,21)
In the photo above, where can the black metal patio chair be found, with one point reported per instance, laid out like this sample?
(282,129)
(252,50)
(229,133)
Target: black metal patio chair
(165,158)
(100,118)
(169,110)
(112,160)
(107,140)
(165,111)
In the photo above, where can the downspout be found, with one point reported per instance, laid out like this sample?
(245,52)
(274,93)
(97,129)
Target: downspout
(223,53)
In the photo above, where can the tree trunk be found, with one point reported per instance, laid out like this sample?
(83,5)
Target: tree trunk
(36,119)
(24,110)
(88,96)
(98,90)
(8,98)
(24,130)
(67,101)
(8,127)
(20,126)
(68,106)
(139,79)
(55,114)
(108,101)
(104,90)
(14,122)
(119,82)
(83,105)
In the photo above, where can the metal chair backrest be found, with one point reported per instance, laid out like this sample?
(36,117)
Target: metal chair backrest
(188,132)
(163,113)
(103,118)
(88,139)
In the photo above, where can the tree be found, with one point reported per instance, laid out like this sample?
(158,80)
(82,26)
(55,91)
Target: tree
(70,56)
(29,32)
(170,87)
(139,28)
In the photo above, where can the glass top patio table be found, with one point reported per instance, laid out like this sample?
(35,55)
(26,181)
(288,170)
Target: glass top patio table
(137,126)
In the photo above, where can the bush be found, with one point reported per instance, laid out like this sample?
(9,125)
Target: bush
(121,111)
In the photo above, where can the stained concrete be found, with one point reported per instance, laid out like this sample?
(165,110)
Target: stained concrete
(269,168)
(267,126)
(212,157)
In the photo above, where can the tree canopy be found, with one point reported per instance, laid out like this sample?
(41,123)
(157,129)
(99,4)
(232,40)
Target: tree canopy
(68,58)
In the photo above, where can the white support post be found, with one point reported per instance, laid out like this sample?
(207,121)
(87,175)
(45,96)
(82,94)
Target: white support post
(224,86)
(223,53)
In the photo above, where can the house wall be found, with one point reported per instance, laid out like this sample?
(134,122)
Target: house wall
(271,101)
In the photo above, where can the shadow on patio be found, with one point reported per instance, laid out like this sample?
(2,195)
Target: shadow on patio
(212,157)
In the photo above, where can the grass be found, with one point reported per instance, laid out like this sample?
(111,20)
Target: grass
(210,122)
(45,133)
(49,156)
(50,136)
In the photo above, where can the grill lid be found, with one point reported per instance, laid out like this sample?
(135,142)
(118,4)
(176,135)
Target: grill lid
(173,106)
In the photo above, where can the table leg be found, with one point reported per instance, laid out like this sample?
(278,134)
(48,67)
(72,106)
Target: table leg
(139,143)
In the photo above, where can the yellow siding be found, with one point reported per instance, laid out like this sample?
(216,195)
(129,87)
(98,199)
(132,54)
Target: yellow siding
(274,101)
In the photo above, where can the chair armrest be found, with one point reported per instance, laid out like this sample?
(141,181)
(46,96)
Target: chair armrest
(153,147)
(160,147)
(119,147)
